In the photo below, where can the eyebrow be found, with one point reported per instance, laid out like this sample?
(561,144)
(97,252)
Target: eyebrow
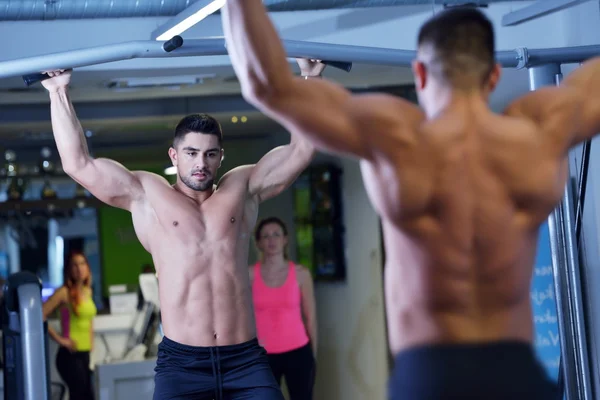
(188,148)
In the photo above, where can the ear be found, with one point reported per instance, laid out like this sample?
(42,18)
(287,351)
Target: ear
(495,77)
(420,73)
(173,156)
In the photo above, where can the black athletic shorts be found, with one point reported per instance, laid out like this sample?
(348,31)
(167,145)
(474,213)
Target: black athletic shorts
(233,372)
(493,371)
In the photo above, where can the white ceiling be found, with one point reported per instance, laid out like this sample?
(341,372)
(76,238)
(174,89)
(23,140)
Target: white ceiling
(391,27)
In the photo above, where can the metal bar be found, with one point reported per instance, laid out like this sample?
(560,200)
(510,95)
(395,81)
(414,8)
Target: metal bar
(581,367)
(543,75)
(536,10)
(540,76)
(199,47)
(582,187)
(563,55)
(294,49)
(557,248)
(576,283)
(32,341)
(108,53)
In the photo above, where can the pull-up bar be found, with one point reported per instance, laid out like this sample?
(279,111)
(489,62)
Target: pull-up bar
(518,58)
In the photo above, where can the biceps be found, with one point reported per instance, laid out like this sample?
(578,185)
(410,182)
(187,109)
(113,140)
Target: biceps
(52,304)
(278,169)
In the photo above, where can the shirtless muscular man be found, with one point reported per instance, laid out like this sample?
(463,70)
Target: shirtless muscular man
(198,234)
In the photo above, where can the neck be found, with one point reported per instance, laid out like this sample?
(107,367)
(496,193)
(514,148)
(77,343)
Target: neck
(446,98)
(196,195)
(273,261)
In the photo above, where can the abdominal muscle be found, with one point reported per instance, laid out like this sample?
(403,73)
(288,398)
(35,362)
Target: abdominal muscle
(205,297)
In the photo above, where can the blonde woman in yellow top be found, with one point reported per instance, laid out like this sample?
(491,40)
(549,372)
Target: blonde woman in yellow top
(77,312)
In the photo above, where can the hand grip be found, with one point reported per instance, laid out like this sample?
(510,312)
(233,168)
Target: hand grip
(174,43)
(34,78)
(168,46)
(345,66)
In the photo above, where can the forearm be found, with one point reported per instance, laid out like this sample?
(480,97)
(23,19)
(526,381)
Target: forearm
(68,133)
(301,144)
(257,53)
(311,327)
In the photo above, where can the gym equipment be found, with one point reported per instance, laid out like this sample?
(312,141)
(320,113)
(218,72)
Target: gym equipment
(141,49)
(337,55)
(168,46)
(544,69)
(565,228)
(24,339)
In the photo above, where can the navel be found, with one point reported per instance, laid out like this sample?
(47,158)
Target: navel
(175,223)
(232,220)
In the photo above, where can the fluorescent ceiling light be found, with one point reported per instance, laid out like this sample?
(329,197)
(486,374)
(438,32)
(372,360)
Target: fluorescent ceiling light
(156,81)
(171,170)
(187,18)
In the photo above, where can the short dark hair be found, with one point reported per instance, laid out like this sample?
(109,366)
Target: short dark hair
(462,39)
(266,221)
(197,123)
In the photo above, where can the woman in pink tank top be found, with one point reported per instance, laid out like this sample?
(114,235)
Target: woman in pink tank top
(284,305)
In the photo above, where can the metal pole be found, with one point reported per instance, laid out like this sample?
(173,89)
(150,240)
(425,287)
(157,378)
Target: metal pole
(543,75)
(581,367)
(216,47)
(106,54)
(32,342)
(576,283)
(582,186)
(540,76)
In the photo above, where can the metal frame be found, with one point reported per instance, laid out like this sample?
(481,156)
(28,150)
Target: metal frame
(518,58)
(574,369)
(536,10)
(33,342)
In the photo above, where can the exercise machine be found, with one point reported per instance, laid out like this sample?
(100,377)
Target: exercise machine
(24,339)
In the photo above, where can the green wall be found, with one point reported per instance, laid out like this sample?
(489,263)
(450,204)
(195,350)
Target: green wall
(122,253)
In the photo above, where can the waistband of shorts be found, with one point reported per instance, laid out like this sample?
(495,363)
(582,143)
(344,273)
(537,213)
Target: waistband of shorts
(232,348)
(501,347)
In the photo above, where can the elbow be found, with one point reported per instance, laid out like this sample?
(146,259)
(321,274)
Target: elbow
(264,93)
(304,150)
(75,166)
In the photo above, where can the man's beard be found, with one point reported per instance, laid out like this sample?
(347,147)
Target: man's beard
(197,186)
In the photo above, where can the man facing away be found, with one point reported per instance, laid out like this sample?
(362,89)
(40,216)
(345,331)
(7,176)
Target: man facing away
(461,191)
(198,234)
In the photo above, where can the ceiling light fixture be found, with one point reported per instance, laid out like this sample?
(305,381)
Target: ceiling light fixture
(187,18)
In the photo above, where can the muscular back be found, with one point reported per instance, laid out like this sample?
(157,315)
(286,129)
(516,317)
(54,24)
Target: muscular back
(461,224)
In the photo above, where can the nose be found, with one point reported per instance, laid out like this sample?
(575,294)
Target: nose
(201,163)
